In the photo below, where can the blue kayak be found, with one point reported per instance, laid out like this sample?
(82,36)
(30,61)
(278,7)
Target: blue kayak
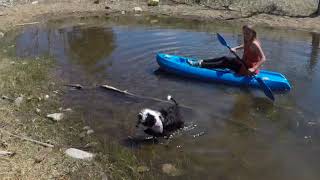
(178,65)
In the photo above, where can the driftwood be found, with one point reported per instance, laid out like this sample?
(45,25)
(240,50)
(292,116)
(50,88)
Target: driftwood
(107,87)
(4,5)
(7,98)
(76,86)
(28,139)
(6,153)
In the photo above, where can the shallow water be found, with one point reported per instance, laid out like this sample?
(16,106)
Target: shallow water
(234,133)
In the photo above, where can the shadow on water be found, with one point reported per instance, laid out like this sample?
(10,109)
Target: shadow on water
(235,133)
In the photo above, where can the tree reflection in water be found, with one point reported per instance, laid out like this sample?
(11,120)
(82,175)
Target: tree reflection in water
(88,47)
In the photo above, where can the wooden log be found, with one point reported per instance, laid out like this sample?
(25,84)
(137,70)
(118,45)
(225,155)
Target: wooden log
(28,139)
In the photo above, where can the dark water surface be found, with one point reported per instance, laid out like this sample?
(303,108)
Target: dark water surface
(245,136)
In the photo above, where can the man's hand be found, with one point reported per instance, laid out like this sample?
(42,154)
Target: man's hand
(234,50)
(251,71)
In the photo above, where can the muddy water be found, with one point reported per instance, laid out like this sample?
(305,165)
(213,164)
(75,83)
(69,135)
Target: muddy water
(234,133)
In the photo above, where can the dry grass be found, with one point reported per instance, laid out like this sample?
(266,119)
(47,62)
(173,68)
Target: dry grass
(32,79)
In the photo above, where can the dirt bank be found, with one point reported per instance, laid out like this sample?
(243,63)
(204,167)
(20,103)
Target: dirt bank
(18,14)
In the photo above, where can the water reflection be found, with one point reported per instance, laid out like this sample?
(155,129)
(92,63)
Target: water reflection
(246,136)
(88,47)
(315,45)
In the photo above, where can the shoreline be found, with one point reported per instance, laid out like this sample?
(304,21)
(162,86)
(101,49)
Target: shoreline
(22,14)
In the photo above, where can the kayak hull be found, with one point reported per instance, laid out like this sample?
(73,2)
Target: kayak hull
(178,65)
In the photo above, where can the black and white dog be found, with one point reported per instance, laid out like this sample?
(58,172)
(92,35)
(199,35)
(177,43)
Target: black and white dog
(161,123)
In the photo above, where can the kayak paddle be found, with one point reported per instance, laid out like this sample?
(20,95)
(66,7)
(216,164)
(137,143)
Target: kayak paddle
(267,91)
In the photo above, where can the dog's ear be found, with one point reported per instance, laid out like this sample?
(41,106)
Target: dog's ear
(149,121)
(164,113)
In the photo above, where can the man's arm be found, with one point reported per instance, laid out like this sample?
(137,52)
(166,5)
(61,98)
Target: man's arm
(257,48)
(234,49)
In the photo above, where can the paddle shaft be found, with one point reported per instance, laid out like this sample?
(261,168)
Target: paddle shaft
(245,65)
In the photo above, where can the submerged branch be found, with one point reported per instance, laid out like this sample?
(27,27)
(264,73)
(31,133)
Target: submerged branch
(139,96)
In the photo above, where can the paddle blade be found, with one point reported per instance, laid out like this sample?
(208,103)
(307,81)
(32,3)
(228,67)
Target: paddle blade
(267,91)
(222,41)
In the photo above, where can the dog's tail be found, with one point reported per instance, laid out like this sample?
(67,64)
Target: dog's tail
(170,98)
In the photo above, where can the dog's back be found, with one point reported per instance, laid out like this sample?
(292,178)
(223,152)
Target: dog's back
(172,117)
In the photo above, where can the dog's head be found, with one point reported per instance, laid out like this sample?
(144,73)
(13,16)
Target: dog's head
(149,117)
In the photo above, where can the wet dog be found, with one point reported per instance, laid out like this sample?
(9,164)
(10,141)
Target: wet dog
(161,123)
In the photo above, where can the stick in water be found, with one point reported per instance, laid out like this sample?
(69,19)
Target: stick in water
(139,96)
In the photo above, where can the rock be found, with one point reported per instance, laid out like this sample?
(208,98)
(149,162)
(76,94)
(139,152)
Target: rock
(79,154)
(56,116)
(96,2)
(67,110)
(170,170)
(137,9)
(153,21)
(34,2)
(86,128)
(142,169)
(90,131)
(107,7)
(46,96)
(18,101)
(153,2)
(1,34)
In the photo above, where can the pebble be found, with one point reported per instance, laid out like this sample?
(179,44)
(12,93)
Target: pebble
(90,131)
(18,101)
(79,154)
(137,9)
(170,170)
(56,116)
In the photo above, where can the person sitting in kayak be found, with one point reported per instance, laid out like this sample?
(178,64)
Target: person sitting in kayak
(253,56)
